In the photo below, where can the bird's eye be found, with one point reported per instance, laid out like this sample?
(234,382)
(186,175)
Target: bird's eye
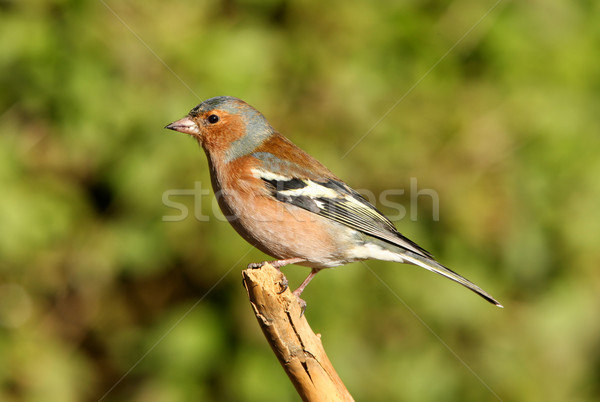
(213,118)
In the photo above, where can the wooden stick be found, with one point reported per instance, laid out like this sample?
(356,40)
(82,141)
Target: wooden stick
(297,347)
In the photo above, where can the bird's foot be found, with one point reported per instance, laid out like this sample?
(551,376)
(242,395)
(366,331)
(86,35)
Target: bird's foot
(301,301)
(256,265)
(283,283)
(276,264)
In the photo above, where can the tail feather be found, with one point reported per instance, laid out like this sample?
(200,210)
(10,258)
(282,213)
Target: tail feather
(434,266)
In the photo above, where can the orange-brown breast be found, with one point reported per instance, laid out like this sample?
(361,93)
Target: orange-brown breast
(276,228)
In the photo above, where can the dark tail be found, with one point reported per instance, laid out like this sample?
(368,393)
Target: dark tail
(434,266)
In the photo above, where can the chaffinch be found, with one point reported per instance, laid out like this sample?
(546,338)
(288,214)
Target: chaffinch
(287,204)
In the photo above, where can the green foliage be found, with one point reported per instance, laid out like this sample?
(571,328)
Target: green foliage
(97,290)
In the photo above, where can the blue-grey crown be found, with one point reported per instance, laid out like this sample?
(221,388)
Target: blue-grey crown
(258,128)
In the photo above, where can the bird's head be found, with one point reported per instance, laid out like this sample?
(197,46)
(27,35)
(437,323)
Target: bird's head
(225,125)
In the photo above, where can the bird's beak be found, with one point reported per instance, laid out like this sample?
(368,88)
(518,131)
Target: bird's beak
(185,125)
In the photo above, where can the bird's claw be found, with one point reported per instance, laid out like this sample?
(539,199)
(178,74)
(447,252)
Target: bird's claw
(301,302)
(302,306)
(284,285)
(256,265)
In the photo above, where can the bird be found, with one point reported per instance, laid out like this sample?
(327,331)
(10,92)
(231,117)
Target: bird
(287,204)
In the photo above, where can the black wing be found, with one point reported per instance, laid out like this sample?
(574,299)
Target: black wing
(335,200)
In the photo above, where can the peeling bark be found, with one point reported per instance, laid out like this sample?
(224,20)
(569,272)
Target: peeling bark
(297,347)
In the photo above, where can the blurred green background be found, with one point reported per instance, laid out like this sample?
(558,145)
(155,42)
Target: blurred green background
(99,296)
